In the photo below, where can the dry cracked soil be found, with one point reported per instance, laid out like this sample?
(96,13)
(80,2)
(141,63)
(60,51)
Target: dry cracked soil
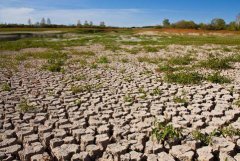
(111,105)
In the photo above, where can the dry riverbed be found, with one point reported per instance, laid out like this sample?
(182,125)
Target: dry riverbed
(130,102)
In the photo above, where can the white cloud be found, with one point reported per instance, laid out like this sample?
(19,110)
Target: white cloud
(115,17)
(15,15)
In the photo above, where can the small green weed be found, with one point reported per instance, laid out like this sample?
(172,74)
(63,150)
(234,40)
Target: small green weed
(164,132)
(184,77)
(217,78)
(6,87)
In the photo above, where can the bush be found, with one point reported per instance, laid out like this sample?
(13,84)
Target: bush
(185,24)
(184,77)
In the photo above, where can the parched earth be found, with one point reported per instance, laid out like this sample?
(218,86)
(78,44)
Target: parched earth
(113,116)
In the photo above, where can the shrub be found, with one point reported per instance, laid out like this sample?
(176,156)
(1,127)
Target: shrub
(164,132)
(184,77)
(217,78)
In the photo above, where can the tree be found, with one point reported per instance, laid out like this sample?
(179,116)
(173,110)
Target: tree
(48,21)
(102,24)
(166,23)
(232,26)
(86,23)
(183,24)
(90,23)
(29,22)
(218,24)
(79,23)
(238,20)
(43,22)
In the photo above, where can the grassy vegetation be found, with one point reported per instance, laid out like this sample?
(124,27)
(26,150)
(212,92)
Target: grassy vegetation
(6,87)
(84,88)
(83,53)
(217,78)
(80,77)
(180,100)
(128,98)
(152,60)
(164,132)
(184,77)
(156,92)
(103,60)
(206,139)
(151,49)
(24,106)
(215,63)
(181,60)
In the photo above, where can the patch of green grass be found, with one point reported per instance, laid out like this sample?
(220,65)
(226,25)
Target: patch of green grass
(124,60)
(83,62)
(128,98)
(151,49)
(128,79)
(80,77)
(6,87)
(149,60)
(84,88)
(156,92)
(180,100)
(203,138)
(54,65)
(237,103)
(24,106)
(134,50)
(164,132)
(184,77)
(112,47)
(94,66)
(103,60)
(215,63)
(181,60)
(217,78)
(225,49)
(83,53)
(229,131)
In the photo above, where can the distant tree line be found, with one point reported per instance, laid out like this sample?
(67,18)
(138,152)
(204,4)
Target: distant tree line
(215,24)
(48,24)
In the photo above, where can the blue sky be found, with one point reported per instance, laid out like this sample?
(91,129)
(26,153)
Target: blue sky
(117,12)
